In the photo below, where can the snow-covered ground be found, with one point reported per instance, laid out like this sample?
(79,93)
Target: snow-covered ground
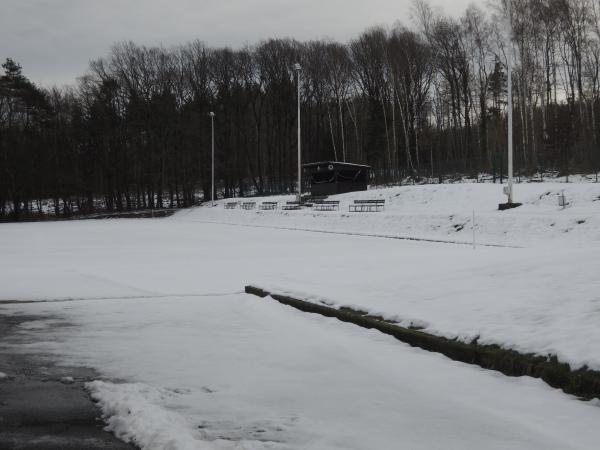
(178,323)
(237,372)
(543,297)
(444,212)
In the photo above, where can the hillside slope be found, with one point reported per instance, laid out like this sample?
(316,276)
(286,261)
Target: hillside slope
(443,212)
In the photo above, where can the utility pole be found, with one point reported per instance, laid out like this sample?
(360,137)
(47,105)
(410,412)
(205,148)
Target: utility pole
(298,68)
(212,186)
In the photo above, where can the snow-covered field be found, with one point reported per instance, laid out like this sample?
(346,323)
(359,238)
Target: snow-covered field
(236,372)
(159,304)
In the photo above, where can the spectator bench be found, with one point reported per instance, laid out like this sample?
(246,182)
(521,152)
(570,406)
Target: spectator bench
(291,205)
(375,205)
(326,205)
(268,205)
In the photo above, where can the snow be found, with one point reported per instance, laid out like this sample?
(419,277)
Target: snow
(133,414)
(444,212)
(158,304)
(542,298)
(67,380)
(239,372)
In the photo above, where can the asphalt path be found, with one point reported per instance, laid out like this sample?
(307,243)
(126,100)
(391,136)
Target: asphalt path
(44,406)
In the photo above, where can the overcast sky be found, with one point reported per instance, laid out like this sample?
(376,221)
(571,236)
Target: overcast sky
(55,39)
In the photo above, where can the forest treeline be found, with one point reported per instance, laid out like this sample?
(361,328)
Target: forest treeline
(424,101)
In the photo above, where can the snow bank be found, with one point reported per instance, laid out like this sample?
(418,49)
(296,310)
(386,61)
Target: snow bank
(132,413)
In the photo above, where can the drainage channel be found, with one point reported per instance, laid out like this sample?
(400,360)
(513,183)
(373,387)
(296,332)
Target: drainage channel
(583,383)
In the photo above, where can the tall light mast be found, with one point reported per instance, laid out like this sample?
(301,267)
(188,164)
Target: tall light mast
(509,191)
(298,68)
(212,169)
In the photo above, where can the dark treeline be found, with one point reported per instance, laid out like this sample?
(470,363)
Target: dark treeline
(421,102)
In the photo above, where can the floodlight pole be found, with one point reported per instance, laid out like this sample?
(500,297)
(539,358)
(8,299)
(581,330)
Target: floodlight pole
(298,68)
(510,106)
(212,170)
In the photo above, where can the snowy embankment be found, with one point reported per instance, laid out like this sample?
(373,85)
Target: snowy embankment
(234,372)
(442,212)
